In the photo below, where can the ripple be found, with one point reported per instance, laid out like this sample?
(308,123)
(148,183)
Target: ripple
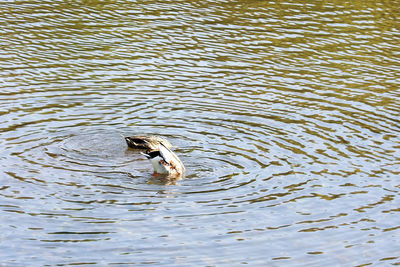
(284,114)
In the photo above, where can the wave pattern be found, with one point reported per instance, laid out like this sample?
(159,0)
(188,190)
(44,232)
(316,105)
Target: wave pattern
(286,115)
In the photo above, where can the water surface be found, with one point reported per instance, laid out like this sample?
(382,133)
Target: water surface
(285,113)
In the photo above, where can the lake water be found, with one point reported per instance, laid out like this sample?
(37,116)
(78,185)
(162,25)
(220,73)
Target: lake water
(285,114)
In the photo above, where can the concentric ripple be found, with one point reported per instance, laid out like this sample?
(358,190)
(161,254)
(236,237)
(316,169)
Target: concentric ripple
(285,114)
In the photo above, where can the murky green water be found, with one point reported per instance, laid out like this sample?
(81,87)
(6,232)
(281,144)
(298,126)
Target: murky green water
(285,113)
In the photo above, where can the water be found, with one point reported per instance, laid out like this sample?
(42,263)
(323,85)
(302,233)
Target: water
(285,113)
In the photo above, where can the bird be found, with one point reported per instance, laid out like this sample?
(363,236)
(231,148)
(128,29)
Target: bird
(165,162)
(149,143)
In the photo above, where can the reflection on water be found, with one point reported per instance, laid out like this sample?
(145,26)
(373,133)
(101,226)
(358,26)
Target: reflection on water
(285,114)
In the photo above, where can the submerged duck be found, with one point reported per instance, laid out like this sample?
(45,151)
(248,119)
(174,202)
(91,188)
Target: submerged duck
(165,162)
(149,143)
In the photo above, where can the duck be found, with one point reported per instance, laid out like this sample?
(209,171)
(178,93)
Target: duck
(148,143)
(165,162)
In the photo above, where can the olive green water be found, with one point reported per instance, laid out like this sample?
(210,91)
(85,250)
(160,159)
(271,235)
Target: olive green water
(285,113)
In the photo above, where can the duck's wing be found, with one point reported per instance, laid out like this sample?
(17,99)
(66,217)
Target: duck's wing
(171,158)
(166,153)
